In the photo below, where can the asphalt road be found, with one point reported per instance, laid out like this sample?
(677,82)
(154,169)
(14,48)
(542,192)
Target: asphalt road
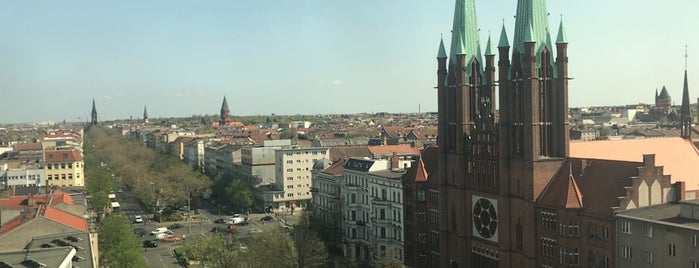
(163,255)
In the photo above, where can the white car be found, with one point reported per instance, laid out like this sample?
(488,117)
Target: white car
(138,219)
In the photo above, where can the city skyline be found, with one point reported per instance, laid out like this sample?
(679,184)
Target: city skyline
(181,58)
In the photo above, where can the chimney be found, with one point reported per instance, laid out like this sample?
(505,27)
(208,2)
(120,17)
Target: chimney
(394,161)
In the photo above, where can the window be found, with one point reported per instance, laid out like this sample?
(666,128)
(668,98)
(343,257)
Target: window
(354,215)
(548,247)
(695,265)
(289,195)
(625,227)
(434,216)
(574,257)
(671,249)
(626,252)
(383,232)
(435,238)
(421,195)
(693,240)
(435,259)
(422,238)
(289,161)
(573,229)
(289,187)
(289,178)
(289,170)
(422,259)
(421,216)
(353,198)
(434,197)
(648,256)
(648,231)
(298,169)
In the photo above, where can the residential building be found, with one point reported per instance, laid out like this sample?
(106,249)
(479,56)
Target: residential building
(64,168)
(372,208)
(293,175)
(662,235)
(194,153)
(257,163)
(21,174)
(421,210)
(326,190)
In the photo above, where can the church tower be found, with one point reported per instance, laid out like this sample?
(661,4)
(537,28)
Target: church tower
(685,113)
(491,172)
(145,114)
(225,113)
(93,122)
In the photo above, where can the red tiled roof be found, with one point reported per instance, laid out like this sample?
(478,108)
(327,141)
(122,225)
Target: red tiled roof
(678,156)
(426,166)
(59,196)
(62,156)
(28,146)
(14,202)
(601,182)
(574,197)
(337,168)
(65,218)
(344,152)
(400,149)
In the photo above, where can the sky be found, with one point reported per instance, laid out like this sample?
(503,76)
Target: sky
(181,57)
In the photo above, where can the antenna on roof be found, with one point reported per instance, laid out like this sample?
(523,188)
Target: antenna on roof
(685,57)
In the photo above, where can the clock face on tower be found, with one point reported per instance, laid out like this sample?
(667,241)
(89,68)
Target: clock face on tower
(485,218)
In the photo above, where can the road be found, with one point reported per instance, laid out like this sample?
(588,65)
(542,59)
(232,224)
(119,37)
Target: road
(163,255)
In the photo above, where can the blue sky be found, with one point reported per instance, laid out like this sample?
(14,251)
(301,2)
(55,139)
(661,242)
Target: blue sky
(180,57)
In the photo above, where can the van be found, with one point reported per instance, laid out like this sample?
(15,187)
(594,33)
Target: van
(159,230)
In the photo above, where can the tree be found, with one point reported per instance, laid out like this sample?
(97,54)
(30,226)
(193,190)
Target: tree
(238,194)
(119,246)
(389,259)
(215,251)
(272,248)
(310,250)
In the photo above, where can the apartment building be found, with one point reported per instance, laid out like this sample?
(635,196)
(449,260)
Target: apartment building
(372,208)
(19,174)
(64,168)
(293,175)
(661,235)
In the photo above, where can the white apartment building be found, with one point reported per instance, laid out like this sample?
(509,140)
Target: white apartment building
(23,176)
(372,193)
(293,175)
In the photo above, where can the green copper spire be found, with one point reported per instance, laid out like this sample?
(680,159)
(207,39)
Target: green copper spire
(503,37)
(533,17)
(561,38)
(442,54)
(464,33)
(489,48)
(528,35)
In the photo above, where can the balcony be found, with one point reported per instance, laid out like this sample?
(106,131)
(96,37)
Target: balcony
(380,202)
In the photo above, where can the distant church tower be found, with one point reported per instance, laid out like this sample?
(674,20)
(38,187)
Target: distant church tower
(225,113)
(94,113)
(491,172)
(685,113)
(145,114)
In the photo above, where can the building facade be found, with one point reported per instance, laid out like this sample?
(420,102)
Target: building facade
(421,211)
(64,168)
(24,175)
(293,168)
(372,209)
(492,172)
(663,235)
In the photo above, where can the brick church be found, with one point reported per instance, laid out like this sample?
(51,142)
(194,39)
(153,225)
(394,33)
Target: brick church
(504,188)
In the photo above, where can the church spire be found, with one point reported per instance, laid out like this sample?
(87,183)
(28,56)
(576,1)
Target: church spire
(94,113)
(533,17)
(225,113)
(685,113)
(442,53)
(464,33)
(145,114)
(561,38)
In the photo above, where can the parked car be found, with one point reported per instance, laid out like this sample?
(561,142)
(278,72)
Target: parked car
(220,221)
(159,230)
(266,218)
(137,219)
(150,244)
(171,238)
